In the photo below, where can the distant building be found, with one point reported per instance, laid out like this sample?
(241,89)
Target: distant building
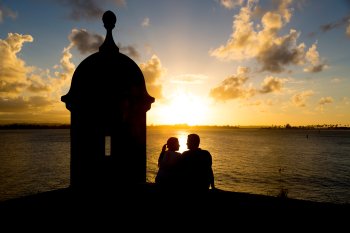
(108,102)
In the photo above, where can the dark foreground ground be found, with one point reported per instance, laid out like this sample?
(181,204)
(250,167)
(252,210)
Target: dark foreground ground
(147,208)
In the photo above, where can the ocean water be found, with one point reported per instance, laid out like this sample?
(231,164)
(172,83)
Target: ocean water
(307,164)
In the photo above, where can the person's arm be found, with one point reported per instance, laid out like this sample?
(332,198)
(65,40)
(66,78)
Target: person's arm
(211,177)
(160,158)
(211,173)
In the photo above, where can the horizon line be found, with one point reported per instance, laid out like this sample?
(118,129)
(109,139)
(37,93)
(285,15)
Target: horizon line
(287,125)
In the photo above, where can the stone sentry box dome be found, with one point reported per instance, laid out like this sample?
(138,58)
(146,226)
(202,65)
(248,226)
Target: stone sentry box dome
(108,102)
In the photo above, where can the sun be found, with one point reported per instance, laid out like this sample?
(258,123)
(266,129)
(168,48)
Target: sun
(185,108)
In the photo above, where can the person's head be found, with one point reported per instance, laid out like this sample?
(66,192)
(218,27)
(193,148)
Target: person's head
(173,144)
(193,141)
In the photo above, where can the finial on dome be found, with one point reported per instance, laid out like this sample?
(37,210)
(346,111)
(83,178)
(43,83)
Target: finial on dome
(109,19)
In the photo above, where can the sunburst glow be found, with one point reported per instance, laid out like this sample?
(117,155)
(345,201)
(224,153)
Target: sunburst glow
(185,108)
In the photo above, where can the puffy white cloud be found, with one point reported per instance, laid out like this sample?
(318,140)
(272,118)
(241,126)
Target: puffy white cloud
(285,10)
(313,57)
(263,42)
(13,70)
(26,91)
(153,71)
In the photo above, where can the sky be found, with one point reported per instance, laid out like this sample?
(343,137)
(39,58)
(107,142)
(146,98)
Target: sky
(206,62)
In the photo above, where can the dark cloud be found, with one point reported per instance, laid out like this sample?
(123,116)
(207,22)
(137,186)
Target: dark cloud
(276,56)
(6,12)
(83,9)
(88,42)
(129,50)
(332,25)
(87,9)
(85,42)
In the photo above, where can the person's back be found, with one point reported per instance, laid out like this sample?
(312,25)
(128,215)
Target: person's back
(196,167)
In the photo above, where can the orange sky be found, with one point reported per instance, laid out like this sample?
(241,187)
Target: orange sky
(220,62)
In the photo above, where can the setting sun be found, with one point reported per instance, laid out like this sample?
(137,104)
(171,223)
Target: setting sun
(185,108)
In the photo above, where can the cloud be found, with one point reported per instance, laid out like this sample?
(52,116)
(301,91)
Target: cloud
(336,80)
(262,42)
(66,64)
(37,84)
(233,87)
(15,104)
(84,41)
(11,87)
(190,79)
(230,4)
(88,42)
(153,71)
(24,104)
(129,50)
(284,10)
(325,100)
(281,52)
(272,84)
(88,9)
(300,99)
(336,24)
(28,91)
(313,57)
(13,70)
(6,12)
(145,22)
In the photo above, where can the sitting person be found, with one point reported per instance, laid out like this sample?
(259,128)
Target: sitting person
(167,176)
(196,167)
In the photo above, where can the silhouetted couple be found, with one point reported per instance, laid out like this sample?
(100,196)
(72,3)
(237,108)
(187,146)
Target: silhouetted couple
(190,171)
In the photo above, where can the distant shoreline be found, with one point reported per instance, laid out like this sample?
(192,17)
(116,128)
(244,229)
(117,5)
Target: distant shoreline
(179,126)
(34,126)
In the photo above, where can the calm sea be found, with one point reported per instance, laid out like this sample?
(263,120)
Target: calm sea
(309,164)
